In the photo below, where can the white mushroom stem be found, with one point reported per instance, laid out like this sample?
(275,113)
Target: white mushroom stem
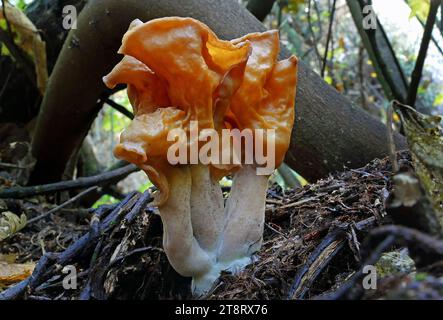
(200,238)
(206,208)
(181,247)
(244,215)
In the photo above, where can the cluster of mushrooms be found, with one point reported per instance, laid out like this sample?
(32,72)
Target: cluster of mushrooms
(178,71)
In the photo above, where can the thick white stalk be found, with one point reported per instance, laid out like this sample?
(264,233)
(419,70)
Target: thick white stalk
(206,208)
(182,249)
(244,215)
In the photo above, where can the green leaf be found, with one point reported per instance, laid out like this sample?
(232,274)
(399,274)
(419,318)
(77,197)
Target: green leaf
(419,8)
(105,199)
(438,99)
(145,186)
(328,80)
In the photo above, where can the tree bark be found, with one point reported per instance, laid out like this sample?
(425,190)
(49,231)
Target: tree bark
(329,132)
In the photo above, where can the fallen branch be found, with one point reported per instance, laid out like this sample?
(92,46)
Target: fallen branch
(317,261)
(64,204)
(321,256)
(84,182)
(344,290)
(102,223)
(424,250)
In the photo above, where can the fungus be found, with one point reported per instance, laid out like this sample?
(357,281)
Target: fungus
(265,100)
(177,71)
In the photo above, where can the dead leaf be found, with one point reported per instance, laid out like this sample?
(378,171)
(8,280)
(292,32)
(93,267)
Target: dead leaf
(11,273)
(29,40)
(11,223)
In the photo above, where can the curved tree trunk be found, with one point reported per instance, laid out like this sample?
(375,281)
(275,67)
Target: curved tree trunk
(329,131)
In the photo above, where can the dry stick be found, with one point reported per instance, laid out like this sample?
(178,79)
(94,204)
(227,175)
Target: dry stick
(423,25)
(119,108)
(316,262)
(279,16)
(391,142)
(64,204)
(419,63)
(11,165)
(432,37)
(342,292)
(423,248)
(84,182)
(320,258)
(328,39)
(311,30)
(71,252)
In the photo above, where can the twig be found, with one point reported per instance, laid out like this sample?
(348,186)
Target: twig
(343,291)
(90,238)
(119,108)
(423,248)
(321,256)
(64,204)
(118,260)
(328,39)
(380,51)
(419,63)
(432,38)
(84,182)
(279,15)
(361,76)
(316,262)
(80,246)
(139,206)
(11,165)
(311,30)
(391,142)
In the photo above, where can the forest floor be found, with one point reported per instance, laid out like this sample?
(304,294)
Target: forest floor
(317,241)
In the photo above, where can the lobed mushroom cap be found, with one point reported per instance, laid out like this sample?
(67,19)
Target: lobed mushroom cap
(266,97)
(177,71)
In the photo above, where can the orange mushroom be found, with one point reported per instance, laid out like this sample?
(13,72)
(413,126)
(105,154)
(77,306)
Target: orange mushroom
(178,72)
(265,100)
